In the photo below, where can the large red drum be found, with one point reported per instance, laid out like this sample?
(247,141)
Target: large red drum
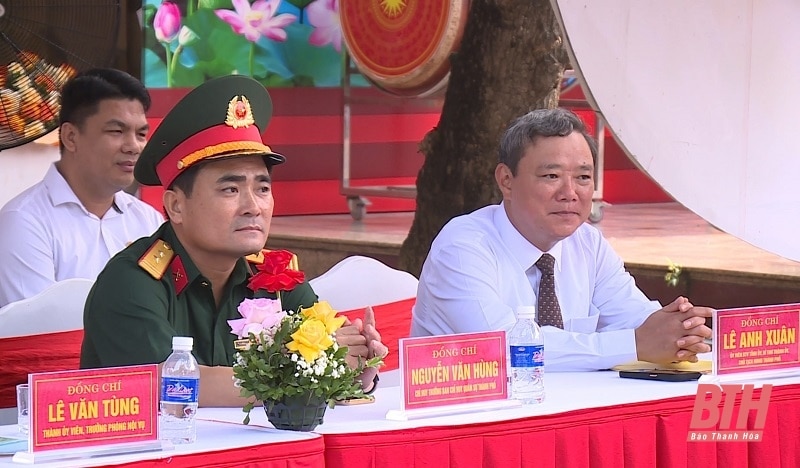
(403,46)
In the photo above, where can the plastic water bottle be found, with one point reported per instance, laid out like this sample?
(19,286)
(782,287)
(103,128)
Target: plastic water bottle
(180,384)
(526,357)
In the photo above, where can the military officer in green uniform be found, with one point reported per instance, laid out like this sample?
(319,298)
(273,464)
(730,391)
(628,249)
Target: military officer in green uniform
(190,276)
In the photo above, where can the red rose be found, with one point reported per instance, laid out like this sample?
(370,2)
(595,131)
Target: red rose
(274,274)
(276,261)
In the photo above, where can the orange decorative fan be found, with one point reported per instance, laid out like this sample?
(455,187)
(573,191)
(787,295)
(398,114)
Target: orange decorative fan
(42,45)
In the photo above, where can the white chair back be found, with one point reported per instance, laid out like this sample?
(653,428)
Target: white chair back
(357,282)
(57,308)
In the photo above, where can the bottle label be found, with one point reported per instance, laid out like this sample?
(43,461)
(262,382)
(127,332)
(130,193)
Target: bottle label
(527,356)
(179,389)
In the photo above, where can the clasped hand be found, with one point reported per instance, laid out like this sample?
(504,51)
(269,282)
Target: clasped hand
(363,342)
(676,332)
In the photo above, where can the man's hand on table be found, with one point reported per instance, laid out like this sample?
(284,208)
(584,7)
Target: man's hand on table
(363,343)
(677,332)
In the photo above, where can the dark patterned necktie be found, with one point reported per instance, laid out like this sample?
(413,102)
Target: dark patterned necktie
(549,310)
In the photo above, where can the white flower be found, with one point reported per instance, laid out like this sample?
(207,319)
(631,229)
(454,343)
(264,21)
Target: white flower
(187,37)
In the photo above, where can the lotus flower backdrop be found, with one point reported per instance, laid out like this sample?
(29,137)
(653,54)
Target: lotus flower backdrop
(278,42)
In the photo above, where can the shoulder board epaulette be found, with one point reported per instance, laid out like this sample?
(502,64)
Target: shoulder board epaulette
(258,259)
(156,259)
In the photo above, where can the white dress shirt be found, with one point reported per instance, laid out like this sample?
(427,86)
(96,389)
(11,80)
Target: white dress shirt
(480,269)
(46,235)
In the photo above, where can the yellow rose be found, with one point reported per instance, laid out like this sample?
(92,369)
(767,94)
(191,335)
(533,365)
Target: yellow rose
(323,312)
(310,339)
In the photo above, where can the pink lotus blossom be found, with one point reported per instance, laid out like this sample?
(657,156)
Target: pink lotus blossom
(324,16)
(259,315)
(167,22)
(254,21)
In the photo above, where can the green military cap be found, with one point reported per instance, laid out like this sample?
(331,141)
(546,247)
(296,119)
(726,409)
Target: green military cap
(221,118)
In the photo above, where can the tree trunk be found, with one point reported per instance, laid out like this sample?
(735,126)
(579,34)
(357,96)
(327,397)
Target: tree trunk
(510,61)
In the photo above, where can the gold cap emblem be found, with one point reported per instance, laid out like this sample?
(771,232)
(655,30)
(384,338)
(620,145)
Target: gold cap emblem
(239,113)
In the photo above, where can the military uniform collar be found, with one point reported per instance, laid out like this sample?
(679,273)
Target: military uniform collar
(184,272)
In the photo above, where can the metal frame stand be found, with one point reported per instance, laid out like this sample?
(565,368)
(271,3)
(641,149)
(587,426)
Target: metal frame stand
(356,195)
(357,200)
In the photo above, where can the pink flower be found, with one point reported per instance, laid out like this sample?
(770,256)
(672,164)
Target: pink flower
(167,22)
(259,315)
(324,16)
(257,20)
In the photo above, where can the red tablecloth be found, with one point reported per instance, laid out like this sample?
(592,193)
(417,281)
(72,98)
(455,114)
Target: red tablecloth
(61,351)
(394,322)
(22,355)
(299,454)
(647,434)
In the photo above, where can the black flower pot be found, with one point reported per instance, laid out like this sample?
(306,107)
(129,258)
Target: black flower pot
(298,413)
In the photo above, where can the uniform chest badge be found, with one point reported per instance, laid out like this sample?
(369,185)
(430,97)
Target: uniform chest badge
(178,274)
(239,113)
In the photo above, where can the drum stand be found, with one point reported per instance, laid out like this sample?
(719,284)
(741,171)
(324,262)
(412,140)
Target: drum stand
(357,200)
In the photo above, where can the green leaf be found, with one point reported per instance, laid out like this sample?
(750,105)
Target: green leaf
(155,72)
(215,4)
(187,77)
(372,362)
(269,57)
(188,58)
(301,4)
(322,65)
(148,12)
(219,51)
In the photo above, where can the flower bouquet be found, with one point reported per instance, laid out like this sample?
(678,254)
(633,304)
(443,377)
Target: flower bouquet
(287,359)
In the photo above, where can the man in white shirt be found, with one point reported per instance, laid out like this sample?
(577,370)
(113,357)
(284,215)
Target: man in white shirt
(482,265)
(72,222)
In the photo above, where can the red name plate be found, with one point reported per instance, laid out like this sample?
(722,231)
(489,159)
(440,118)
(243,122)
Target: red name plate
(94,407)
(757,338)
(452,369)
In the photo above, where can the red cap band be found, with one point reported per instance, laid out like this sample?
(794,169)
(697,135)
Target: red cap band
(213,141)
